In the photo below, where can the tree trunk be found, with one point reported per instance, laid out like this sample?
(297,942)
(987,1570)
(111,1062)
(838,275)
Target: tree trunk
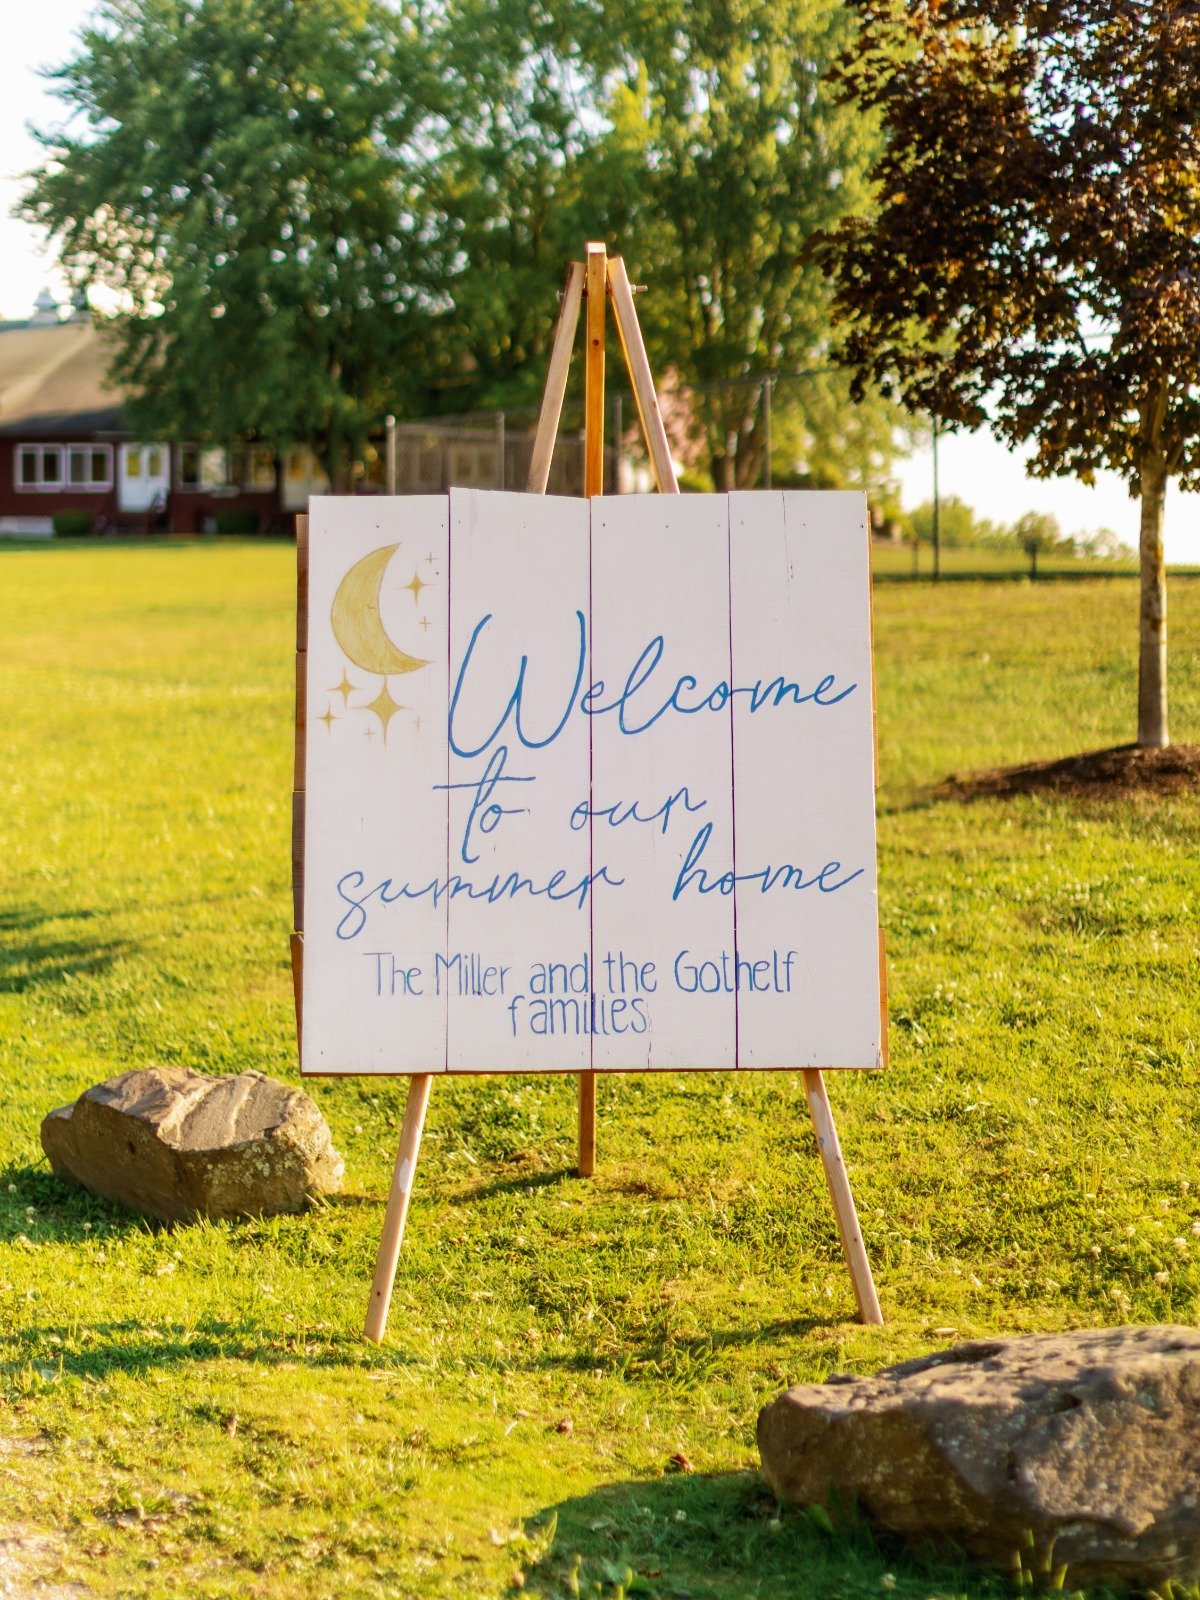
(722,466)
(1152,624)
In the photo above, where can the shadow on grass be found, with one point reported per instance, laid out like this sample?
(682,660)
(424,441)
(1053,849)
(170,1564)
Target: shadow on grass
(29,958)
(522,1184)
(96,1350)
(722,1536)
(67,1213)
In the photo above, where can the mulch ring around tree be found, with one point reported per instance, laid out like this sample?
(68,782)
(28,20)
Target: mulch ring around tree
(1126,770)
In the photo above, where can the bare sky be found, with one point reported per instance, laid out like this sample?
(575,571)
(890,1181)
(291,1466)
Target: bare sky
(974,466)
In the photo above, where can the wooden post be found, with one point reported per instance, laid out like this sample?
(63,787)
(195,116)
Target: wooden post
(640,377)
(556,380)
(843,1201)
(397,1206)
(593,484)
(298,768)
(593,377)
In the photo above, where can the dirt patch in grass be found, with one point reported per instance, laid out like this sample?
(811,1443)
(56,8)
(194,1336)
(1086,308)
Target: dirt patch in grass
(1127,769)
(21,1553)
(25,1553)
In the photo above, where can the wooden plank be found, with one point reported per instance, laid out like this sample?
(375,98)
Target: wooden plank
(883,998)
(376,823)
(871,627)
(883,978)
(518,982)
(301,700)
(662,950)
(301,694)
(593,404)
(298,799)
(297,944)
(843,1200)
(806,897)
(593,484)
(302,583)
(586,1165)
(638,364)
(397,1206)
(556,380)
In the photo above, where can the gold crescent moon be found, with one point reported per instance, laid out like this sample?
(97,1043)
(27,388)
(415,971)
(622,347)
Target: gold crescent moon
(357,624)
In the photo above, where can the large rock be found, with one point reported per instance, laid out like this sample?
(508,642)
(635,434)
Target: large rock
(176,1144)
(1078,1449)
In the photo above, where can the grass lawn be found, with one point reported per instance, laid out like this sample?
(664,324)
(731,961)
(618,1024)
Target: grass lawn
(193,1411)
(896,561)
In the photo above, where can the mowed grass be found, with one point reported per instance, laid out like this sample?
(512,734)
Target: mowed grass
(893,561)
(194,1411)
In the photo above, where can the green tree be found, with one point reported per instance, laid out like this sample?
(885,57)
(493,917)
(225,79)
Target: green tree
(510,130)
(820,433)
(740,153)
(234,172)
(1031,261)
(959,527)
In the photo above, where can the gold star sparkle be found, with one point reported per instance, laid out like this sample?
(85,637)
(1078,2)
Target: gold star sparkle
(345,689)
(425,623)
(416,586)
(384,707)
(328,719)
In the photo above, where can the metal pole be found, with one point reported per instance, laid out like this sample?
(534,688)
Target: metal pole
(767,382)
(937,509)
(390,424)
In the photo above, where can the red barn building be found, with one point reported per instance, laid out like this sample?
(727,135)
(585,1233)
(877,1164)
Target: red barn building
(64,446)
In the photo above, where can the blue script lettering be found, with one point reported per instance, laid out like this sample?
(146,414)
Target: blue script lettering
(618,813)
(354,919)
(484,787)
(680,699)
(767,878)
(687,697)
(513,708)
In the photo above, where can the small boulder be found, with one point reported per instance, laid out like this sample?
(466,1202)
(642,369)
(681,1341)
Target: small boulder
(175,1144)
(1069,1449)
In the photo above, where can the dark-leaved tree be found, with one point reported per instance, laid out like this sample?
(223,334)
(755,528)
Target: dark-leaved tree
(1034,257)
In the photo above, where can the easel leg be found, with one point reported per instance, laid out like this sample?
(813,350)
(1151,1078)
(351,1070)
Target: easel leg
(843,1200)
(397,1206)
(587,1124)
(596,271)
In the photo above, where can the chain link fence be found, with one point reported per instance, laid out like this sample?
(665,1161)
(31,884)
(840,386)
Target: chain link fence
(493,450)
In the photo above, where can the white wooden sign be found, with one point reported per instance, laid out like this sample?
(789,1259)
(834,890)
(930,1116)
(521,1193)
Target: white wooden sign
(590,784)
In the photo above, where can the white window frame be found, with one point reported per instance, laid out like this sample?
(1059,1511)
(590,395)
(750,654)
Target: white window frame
(207,458)
(244,468)
(40,485)
(88,451)
(62,454)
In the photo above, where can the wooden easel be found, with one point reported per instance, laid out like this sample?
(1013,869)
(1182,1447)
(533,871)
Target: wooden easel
(600,278)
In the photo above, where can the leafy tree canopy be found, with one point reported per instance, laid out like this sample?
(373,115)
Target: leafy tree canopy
(739,154)
(313,212)
(1032,260)
(232,172)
